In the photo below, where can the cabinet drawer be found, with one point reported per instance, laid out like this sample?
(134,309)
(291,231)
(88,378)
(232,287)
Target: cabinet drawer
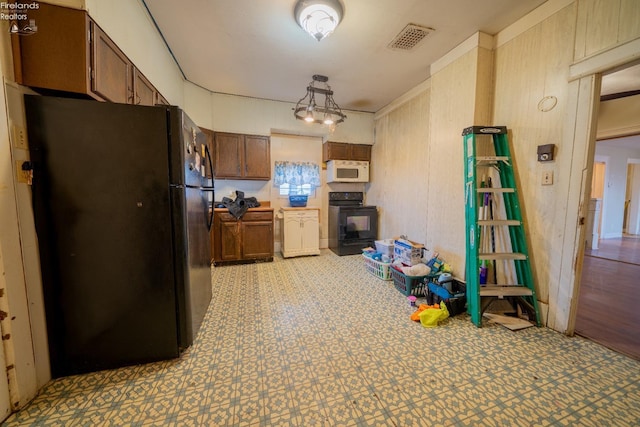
(302,214)
(258,216)
(225,216)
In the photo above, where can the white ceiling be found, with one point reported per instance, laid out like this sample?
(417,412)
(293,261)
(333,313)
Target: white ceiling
(255,47)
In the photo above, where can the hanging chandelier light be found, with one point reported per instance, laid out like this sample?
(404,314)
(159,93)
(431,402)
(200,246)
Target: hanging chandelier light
(328,112)
(318,17)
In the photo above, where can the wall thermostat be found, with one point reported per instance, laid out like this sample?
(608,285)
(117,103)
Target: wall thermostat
(545,152)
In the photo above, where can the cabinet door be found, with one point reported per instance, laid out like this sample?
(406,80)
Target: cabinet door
(111,69)
(228,155)
(310,232)
(230,243)
(58,57)
(292,234)
(361,152)
(257,163)
(143,91)
(257,239)
(336,151)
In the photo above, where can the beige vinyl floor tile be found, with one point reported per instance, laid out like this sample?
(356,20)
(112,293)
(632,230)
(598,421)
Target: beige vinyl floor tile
(318,341)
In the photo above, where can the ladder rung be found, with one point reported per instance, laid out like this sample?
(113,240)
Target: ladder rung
(492,159)
(495,190)
(502,256)
(499,222)
(505,291)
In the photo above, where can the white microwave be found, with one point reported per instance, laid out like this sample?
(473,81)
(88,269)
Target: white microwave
(347,171)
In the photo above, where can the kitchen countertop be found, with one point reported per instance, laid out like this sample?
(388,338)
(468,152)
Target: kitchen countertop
(288,208)
(258,209)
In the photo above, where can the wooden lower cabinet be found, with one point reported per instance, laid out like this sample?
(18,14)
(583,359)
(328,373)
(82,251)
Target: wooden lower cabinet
(247,239)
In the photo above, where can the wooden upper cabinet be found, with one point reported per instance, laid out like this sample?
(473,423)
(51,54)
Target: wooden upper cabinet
(239,156)
(257,155)
(112,70)
(360,152)
(335,151)
(143,91)
(58,55)
(344,151)
(71,54)
(228,157)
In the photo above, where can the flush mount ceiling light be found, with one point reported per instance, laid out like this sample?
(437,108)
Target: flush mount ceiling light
(318,17)
(328,112)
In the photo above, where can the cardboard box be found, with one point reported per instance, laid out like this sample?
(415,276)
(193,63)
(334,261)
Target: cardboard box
(407,252)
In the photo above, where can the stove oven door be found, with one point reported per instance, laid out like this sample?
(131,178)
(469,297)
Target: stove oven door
(358,223)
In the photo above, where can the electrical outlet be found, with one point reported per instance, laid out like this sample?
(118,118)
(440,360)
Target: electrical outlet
(22,175)
(547,178)
(19,136)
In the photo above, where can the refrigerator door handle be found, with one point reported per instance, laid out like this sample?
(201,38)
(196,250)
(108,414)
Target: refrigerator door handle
(210,214)
(208,156)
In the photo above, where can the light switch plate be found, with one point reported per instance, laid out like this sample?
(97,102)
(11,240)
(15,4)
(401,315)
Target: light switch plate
(547,178)
(22,175)
(19,136)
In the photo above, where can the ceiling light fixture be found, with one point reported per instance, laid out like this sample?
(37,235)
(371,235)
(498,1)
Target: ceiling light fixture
(318,17)
(328,113)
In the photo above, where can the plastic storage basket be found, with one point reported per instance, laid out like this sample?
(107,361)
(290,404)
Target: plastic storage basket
(385,247)
(409,285)
(379,269)
(455,299)
(298,201)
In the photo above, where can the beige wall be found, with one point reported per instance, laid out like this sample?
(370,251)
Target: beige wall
(417,174)
(399,172)
(529,69)
(532,69)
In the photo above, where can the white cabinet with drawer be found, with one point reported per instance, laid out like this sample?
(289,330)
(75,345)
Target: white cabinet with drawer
(300,229)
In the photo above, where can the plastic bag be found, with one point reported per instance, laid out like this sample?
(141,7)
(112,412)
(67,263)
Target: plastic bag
(431,317)
(415,316)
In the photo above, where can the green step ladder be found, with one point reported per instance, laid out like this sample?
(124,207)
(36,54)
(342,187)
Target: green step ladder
(494,229)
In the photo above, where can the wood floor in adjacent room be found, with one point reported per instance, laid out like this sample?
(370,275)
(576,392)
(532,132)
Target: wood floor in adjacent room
(609,300)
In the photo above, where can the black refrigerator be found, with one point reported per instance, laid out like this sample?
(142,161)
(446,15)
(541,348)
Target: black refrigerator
(121,209)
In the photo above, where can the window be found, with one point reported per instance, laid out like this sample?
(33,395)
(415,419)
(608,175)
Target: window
(298,178)
(286,189)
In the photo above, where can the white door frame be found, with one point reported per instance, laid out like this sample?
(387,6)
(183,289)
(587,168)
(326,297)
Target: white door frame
(580,132)
(603,216)
(5,393)
(635,197)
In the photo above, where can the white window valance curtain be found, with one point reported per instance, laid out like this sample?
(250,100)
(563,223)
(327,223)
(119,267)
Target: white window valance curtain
(297,173)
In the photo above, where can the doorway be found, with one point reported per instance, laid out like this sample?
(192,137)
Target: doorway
(608,295)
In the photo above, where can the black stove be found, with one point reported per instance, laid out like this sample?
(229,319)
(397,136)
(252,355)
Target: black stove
(346,198)
(352,225)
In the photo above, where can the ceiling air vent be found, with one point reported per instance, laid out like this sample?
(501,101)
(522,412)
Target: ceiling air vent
(409,37)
